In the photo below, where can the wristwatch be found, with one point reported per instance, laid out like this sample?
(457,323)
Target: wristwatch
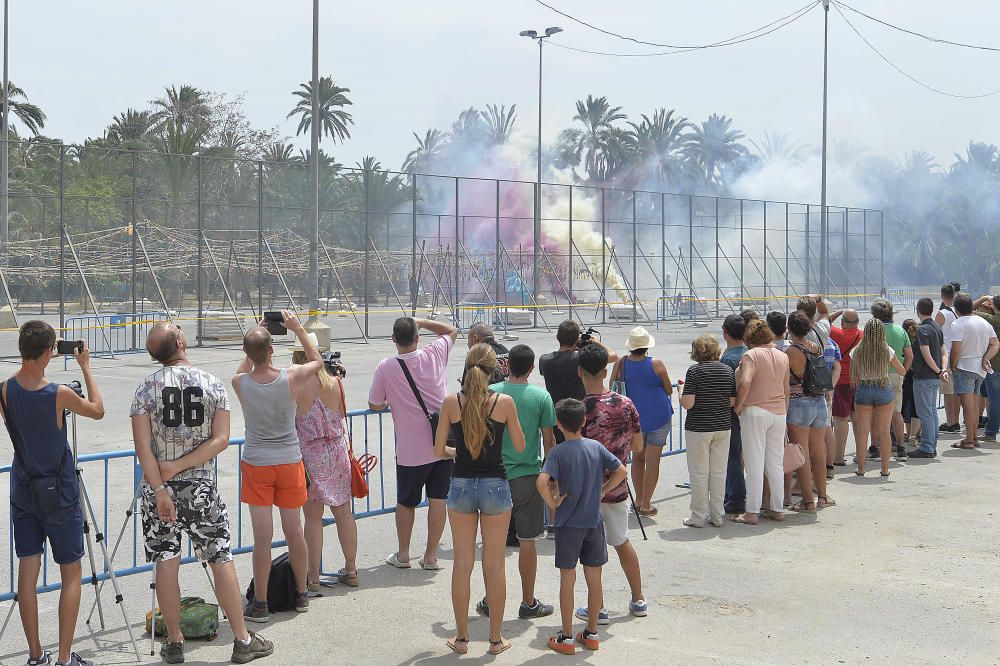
(162,486)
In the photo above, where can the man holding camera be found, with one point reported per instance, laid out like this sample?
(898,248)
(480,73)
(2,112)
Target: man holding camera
(480,332)
(561,369)
(180,424)
(413,383)
(272,471)
(44,493)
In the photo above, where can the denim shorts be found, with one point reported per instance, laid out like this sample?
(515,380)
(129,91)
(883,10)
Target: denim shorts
(966,382)
(489,495)
(656,437)
(62,527)
(872,395)
(808,412)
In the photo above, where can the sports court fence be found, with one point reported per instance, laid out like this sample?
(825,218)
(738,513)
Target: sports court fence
(215,241)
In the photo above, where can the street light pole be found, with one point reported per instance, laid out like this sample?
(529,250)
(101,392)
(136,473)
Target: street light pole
(313,295)
(4,204)
(537,230)
(824,230)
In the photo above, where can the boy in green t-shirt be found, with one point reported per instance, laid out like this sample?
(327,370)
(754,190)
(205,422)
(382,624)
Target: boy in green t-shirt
(537,415)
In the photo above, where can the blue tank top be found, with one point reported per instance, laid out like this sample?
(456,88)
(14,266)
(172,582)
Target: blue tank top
(645,389)
(44,443)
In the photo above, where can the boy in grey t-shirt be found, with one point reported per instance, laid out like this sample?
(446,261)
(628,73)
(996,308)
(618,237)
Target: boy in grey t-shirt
(572,484)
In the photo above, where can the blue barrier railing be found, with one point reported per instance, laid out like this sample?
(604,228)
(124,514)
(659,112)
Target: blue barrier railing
(110,334)
(368,432)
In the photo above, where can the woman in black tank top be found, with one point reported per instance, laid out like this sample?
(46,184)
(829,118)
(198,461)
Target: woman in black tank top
(479,494)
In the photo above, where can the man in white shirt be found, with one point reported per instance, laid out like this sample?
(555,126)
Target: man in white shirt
(973,344)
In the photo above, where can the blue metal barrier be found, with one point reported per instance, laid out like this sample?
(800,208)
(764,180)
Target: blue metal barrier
(368,433)
(110,334)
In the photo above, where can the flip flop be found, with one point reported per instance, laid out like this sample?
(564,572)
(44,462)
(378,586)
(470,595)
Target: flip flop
(396,562)
(459,645)
(428,566)
(963,445)
(775,516)
(738,518)
(652,511)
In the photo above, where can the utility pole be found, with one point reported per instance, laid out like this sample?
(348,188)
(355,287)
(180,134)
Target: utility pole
(823,227)
(537,231)
(4,203)
(313,324)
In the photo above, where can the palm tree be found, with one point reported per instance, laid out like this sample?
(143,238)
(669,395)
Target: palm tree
(182,106)
(979,158)
(380,192)
(714,146)
(30,114)
(429,148)
(129,128)
(499,123)
(333,119)
(658,146)
(470,128)
(279,152)
(780,148)
(600,144)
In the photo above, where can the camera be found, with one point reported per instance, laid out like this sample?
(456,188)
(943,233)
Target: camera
(333,364)
(76,386)
(274,322)
(66,347)
(587,337)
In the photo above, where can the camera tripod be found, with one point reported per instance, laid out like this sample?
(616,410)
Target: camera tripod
(89,517)
(136,495)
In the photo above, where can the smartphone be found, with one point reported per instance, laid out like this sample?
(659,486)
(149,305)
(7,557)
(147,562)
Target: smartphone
(275,323)
(66,347)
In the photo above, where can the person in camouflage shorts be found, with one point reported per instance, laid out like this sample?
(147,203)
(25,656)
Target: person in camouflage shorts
(180,423)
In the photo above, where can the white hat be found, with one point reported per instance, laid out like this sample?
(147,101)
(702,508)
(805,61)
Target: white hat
(639,338)
(297,346)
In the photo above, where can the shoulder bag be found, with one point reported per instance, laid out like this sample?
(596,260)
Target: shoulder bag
(360,467)
(45,488)
(432,417)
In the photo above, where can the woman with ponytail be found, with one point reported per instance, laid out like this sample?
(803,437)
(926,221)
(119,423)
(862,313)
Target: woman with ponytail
(479,494)
(873,399)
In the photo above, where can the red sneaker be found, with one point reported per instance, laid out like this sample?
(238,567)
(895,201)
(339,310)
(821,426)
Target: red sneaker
(562,644)
(587,640)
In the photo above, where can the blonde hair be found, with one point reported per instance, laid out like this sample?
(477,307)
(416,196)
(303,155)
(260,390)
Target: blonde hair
(705,348)
(871,358)
(326,380)
(480,363)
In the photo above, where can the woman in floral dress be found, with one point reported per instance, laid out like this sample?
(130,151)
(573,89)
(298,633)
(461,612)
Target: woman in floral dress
(319,421)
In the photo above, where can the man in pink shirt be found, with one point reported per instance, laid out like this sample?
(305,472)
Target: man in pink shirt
(414,385)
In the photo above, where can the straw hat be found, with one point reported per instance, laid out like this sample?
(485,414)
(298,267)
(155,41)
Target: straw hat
(297,346)
(639,338)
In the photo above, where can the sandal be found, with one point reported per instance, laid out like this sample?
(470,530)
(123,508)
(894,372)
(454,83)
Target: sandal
(803,507)
(775,516)
(742,518)
(883,474)
(825,501)
(459,645)
(349,578)
(963,445)
(651,511)
(859,472)
(502,645)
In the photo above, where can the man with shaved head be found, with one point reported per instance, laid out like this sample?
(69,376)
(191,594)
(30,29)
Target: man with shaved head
(480,332)
(847,338)
(180,423)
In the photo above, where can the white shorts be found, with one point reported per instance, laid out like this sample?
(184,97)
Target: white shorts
(897,391)
(615,523)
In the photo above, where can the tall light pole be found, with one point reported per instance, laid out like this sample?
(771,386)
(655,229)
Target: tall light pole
(824,244)
(4,206)
(313,292)
(537,233)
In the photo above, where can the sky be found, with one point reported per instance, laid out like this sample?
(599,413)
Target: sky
(414,65)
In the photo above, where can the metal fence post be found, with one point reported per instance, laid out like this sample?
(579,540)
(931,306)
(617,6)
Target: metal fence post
(413,247)
(62,237)
(260,237)
(764,256)
(864,247)
(881,250)
(847,261)
(604,268)
(742,290)
(569,250)
(663,245)
(691,247)
(458,278)
(367,242)
(496,260)
(200,314)
(536,244)
(635,275)
(807,262)
(717,290)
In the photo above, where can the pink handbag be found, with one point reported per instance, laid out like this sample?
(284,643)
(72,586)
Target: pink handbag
(795,457)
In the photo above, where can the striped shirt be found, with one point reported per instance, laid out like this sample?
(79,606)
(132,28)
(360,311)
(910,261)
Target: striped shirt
(713,383)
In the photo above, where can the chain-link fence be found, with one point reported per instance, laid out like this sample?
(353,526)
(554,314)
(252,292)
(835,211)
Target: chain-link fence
(214,240)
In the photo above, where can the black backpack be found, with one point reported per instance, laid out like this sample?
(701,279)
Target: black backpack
(816,380)
(281,588)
